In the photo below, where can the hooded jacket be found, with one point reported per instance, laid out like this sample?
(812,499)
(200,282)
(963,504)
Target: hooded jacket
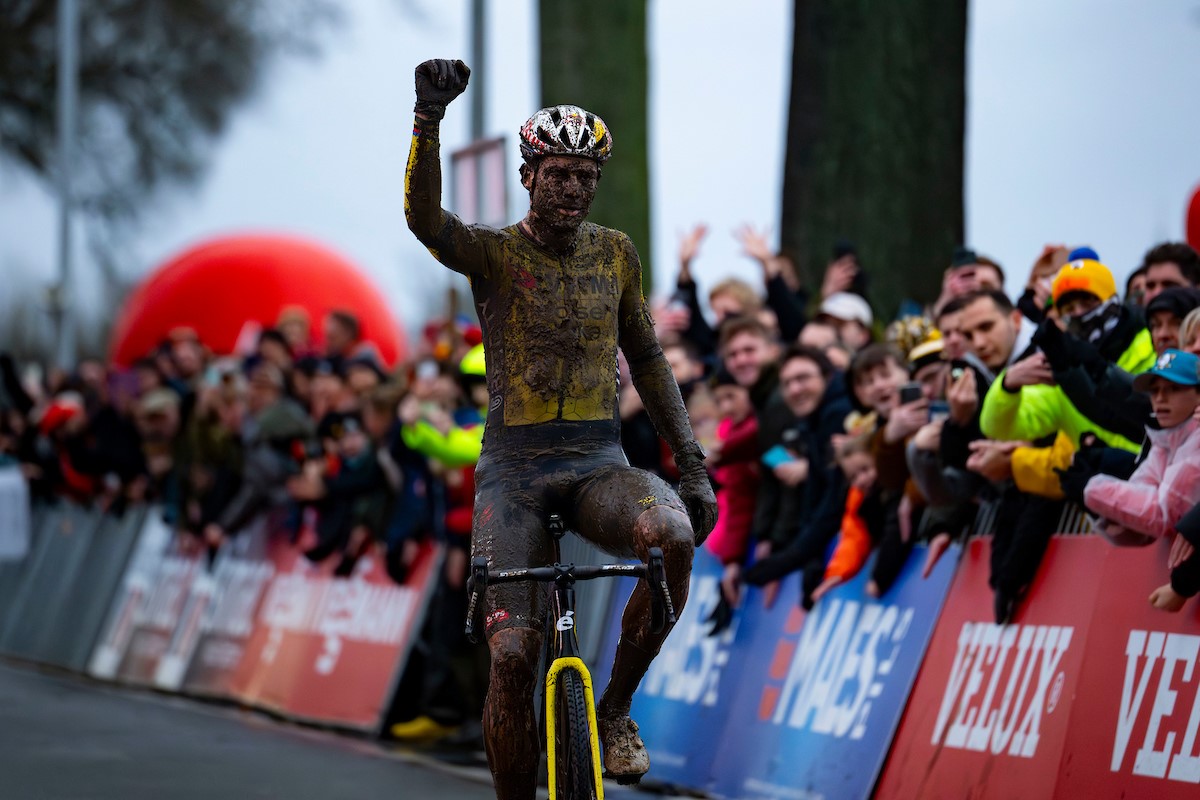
(1164,488)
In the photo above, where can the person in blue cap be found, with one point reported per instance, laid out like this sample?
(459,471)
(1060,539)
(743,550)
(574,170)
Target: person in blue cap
(1167,484)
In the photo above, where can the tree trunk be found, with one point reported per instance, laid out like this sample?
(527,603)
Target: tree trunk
(875,141)
(594,55)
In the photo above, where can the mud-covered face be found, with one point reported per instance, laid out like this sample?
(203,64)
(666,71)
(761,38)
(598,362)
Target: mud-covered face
(561,191)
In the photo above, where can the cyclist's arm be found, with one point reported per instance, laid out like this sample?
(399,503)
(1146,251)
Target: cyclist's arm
(462,248)
(652,376)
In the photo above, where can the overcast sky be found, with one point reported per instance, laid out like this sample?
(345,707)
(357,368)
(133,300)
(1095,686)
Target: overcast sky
(1082,127)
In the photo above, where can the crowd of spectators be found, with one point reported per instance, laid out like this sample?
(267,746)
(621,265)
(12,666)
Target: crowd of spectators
(348,455)
(830,435)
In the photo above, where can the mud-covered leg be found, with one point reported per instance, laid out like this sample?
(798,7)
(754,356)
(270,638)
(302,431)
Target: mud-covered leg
(665,527)
(510,729)
(627,511)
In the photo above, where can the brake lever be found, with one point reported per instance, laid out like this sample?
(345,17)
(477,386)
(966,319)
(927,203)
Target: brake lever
(476,586)
(662,610)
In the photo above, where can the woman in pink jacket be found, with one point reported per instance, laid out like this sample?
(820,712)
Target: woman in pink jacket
(1167,484)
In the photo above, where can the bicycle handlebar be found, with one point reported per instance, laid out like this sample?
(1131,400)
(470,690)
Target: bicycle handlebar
(662,610)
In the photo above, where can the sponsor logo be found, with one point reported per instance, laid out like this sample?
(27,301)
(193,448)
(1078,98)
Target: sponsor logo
(688,668)
(1003,682)
(837,668)
(499,615)
(334,610)
(566,622)
(1163,754)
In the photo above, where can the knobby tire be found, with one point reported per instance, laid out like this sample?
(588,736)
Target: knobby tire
(575,778)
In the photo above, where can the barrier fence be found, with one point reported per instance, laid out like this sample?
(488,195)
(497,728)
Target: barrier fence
(1091,692)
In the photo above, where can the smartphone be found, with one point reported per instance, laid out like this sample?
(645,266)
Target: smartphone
(777,455)
(939,409)
(911,392)
(957,369)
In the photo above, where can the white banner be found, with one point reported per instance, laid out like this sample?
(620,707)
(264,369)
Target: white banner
(14,514)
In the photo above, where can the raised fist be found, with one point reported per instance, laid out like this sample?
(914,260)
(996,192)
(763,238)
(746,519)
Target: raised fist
(439,80)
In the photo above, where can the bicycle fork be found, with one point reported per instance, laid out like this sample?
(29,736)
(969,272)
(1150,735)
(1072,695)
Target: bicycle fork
(566,649)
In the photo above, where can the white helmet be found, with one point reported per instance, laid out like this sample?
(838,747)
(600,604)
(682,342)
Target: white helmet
(566,131)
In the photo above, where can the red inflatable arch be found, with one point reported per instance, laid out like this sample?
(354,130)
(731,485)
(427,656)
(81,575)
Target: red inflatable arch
(220,285)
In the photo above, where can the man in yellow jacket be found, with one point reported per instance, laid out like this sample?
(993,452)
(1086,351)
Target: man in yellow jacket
(1025,403)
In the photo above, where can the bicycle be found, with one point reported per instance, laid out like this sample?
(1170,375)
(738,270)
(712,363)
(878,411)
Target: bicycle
(570,707)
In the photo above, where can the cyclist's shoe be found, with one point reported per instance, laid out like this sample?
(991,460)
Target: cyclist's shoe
(625,756)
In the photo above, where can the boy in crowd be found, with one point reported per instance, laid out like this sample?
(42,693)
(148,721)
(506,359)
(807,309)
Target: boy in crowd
(864,518)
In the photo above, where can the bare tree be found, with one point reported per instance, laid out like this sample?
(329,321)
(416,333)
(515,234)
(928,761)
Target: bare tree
(158,82)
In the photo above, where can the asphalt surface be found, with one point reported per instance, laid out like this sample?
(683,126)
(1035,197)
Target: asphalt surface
(65,738)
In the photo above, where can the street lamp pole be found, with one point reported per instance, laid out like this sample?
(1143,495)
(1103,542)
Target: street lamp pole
(68,95)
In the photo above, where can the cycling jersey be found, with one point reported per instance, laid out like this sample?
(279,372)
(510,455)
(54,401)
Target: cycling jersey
(551,321)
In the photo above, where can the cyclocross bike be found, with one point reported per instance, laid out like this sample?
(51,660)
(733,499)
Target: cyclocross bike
(572,739)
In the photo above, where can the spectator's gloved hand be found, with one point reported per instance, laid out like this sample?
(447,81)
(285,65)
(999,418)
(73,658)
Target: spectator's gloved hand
(439,81)
(696,492)
(1053,342)
(1074,478)
(772,568)
(1093,458)
(721,616)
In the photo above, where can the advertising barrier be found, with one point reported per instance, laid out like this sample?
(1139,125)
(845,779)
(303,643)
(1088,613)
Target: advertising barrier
(218,620)
(332,649)
(684,701)
(1092,693)
(146,608)
(1134,726)
(784,704)
(208,640)
(264,626)
(819,696)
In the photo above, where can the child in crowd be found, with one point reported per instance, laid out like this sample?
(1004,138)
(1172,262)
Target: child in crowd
(878,374)
(864,517)
(1167,484)
(737,482)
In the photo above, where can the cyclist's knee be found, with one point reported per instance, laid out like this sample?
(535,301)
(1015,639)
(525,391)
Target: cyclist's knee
(515,653)
(667,528)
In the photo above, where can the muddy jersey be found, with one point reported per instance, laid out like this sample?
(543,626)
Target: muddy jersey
(551,321)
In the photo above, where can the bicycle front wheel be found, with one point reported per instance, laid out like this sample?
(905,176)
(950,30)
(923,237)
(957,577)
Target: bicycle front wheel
(575,776)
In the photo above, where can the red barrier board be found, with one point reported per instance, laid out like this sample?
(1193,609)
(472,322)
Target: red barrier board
(989,714)
(330,649)
(1134,728)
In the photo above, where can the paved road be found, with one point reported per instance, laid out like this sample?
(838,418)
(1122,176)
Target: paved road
(63,738)
(66,738)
